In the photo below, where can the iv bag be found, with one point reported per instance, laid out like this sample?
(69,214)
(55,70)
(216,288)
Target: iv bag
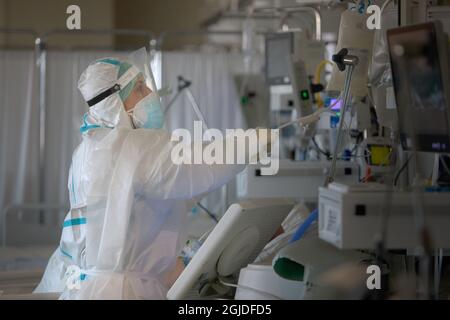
(358,39)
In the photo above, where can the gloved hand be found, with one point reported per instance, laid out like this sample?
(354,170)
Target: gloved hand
(189,250)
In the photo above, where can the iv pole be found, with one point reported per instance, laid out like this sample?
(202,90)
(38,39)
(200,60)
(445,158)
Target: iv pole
(344,61)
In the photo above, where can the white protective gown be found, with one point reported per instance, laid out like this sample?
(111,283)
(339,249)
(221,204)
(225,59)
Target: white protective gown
(128,202)
(125,228)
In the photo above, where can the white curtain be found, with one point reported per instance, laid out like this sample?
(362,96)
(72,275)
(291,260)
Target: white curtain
(212,86)
(19,120)
(19,138)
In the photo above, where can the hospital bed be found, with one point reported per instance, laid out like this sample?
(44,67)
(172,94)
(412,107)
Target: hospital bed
(236,240)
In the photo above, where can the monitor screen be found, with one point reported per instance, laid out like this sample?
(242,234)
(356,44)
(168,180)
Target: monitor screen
(278,51)
(419,88)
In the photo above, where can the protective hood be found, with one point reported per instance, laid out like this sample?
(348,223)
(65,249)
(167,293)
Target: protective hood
(106,83)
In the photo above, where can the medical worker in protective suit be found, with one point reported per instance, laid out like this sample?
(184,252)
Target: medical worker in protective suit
(124,232)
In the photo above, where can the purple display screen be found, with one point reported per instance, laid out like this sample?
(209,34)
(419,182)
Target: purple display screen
(337,104)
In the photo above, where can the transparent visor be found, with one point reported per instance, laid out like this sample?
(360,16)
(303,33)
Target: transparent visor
(143,103)
(138,79)
(144,79)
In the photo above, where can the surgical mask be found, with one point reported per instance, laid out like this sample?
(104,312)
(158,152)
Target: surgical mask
(148,113)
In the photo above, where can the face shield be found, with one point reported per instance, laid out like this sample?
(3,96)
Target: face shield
(146,109)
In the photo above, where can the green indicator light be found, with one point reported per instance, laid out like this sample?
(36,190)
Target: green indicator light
(244,100)
(304,94)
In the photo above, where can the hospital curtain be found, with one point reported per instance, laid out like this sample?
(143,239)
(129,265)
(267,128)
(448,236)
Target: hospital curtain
(19,131)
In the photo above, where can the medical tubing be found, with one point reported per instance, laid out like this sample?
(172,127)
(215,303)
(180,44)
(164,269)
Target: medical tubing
(320,150)
(196,108)
(171,102)
(313,216)
(309,118)
(232,285)
(348,80)
(182,84)
(384,6)
(399,172)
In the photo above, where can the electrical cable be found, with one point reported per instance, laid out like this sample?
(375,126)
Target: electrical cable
(444,164)
(325,153)
(403,167)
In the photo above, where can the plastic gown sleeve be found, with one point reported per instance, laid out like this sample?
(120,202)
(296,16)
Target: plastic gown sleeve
(160,178)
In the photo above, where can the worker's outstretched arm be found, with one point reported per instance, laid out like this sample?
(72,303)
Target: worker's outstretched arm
(162,178)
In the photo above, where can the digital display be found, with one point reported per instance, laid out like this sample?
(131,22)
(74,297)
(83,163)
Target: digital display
(419,88)
(336,104)
(278,51)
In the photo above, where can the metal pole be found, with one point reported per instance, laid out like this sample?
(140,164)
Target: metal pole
(342,60)
(41,56)
(332,172)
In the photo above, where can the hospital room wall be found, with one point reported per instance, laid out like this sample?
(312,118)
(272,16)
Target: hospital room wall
(165,15)
(45,15)
(156,16)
